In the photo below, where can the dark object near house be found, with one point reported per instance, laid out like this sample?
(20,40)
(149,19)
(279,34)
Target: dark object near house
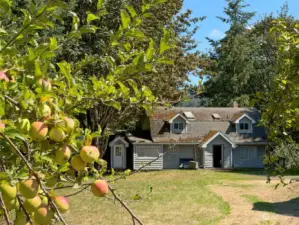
(184,163)
(193,165)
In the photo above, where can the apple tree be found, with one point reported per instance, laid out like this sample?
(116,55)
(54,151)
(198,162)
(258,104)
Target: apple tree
(42,145)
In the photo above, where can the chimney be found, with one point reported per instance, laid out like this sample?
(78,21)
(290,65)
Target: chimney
(236,105)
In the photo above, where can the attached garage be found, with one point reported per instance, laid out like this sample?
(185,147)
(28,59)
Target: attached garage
(179,154)
(144,154)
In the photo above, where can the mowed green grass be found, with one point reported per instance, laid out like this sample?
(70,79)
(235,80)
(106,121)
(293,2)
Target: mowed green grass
(178,197)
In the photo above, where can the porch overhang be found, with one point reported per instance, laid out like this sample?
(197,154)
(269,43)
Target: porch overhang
(205,144)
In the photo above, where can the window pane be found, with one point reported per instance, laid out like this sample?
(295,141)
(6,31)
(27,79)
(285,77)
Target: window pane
(241,126)
(118,151)
(181,126)
(244,153)
(246,126)
(176,126)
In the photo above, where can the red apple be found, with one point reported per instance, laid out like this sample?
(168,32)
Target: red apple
(62,203)
(8,191)
(44,84)
(77,163)
(29,188)
(3,76)
(99,188)
(69,124)
(63,155)
(89,154)
(2,126)
(38,131)
(43,215)
(57,134)
(32,204)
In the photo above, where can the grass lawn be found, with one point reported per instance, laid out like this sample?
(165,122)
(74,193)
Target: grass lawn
(179,197)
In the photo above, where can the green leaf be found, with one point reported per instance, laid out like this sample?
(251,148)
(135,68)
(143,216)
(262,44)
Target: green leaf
(53,44)
(2,31)
(2,107)
(38,73)
(133,85)
(132,11)
(114,104)
(159,1)
(164,43)
(65,69)
(165,61)
(150,50)
(27,17)
(125,19)
(88,29)
(91,17)
(4,176)
(124,89)
(100,4)
(76,20)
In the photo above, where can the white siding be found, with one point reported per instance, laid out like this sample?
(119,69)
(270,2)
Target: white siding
(171,160)
(144,154)
(255,157)
(227,148)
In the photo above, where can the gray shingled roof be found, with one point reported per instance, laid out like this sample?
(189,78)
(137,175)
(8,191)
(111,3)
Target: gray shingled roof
(203,124)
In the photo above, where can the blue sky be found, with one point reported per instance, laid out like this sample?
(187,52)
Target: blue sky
(214,28)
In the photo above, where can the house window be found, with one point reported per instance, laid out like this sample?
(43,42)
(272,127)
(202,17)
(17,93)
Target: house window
(118,151)
(244,153)
(152,153)
(178,126)
(244,126)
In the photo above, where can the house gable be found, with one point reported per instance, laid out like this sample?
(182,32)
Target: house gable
(245,125)
(244,116)
(216,136)
(178,124)
(119,140)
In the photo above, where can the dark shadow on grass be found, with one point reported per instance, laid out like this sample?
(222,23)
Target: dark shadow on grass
(287,208)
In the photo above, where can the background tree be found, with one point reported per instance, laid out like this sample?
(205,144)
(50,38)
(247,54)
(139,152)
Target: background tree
(171,72)
(42,146)
(245,60)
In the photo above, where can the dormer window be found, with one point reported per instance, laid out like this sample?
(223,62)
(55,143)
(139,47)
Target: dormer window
(244,126)
(178,125)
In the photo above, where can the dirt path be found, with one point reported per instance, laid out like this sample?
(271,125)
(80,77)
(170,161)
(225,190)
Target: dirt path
(257,203)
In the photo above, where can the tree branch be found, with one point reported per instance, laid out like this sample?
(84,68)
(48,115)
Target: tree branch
(5,210)
(24,210)
(134,217)
(35,175)
(77,192)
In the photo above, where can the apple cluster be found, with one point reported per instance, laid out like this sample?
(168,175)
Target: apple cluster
(33,200)
(55,130)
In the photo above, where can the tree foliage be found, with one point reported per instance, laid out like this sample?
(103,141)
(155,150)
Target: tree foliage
(42,144)
(245,60)
(280,104)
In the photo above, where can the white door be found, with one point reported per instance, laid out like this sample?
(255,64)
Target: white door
(119,156)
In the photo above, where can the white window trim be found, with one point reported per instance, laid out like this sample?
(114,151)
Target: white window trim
(179,123)
(245,115)
(242,149)
(178,115)
(244,131)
